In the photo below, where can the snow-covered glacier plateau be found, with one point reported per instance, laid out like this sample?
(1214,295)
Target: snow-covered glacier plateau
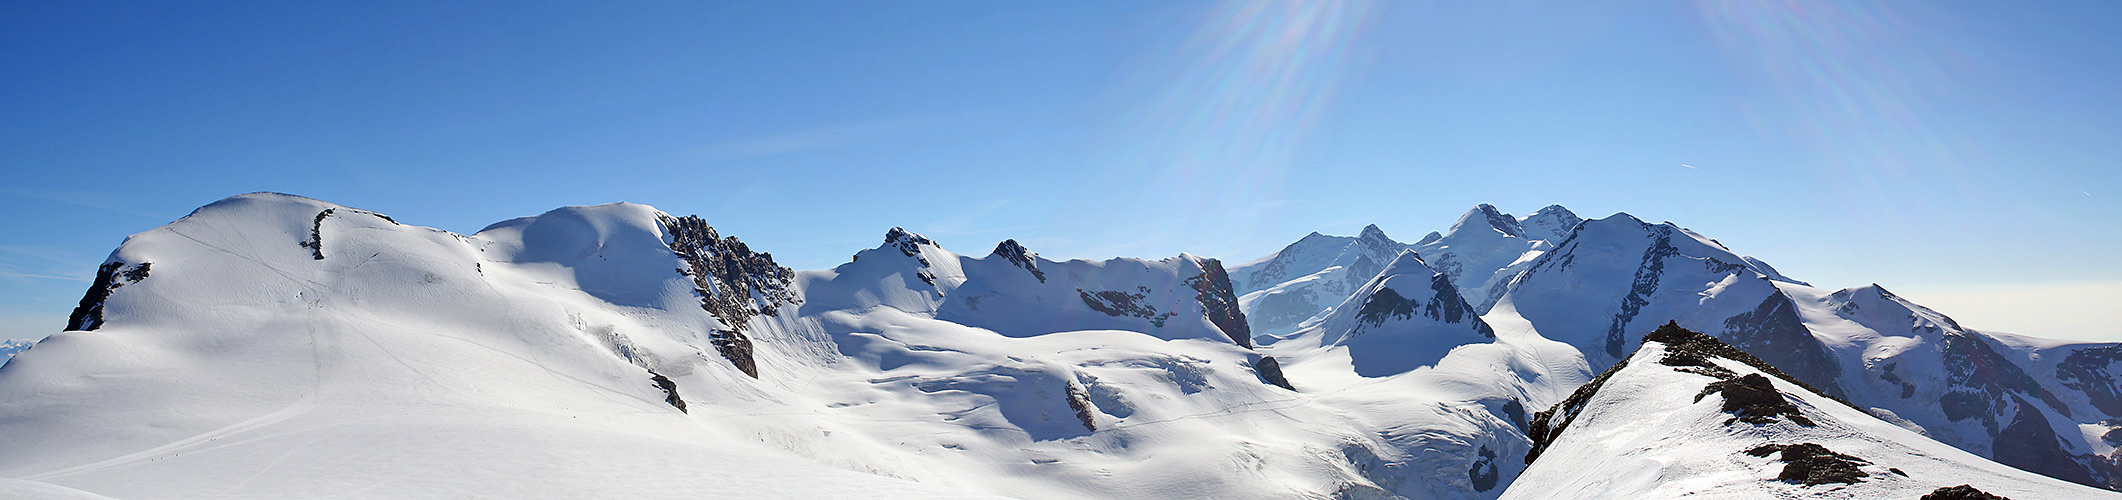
(275,346)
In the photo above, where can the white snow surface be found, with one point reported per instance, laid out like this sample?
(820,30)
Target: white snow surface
(1643,435)
(411,362)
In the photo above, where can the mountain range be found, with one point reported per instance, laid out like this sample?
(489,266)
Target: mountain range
(275,346)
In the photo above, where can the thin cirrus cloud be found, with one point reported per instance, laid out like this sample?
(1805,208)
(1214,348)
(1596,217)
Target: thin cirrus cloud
(804,141)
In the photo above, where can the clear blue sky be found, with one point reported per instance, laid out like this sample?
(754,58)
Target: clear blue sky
(1965,152)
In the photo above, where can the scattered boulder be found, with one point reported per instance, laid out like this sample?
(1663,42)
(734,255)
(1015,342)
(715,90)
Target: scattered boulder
(1754,400)
(1961,492)
(1271,372)
(670,390)
(1812,464)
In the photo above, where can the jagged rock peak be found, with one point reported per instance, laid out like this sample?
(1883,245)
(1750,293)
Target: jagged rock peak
(908,242)
(1015,253)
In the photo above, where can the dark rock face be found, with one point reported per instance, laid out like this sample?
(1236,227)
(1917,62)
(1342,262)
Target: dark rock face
(2088,371)
(1016,254)
(1755,400)
(1117,303)
(88,315)
(315,243)
(734,283)
(1443,305)
(1271,372)
(1501,221)
(1483,473)
(670,390)
(1812,464)
(2029,443)
(1961,492)
(1645,283)
(1219,302)
(1774,332)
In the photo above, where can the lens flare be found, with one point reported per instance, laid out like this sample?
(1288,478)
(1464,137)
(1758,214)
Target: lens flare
(1225,113)
(1854,84)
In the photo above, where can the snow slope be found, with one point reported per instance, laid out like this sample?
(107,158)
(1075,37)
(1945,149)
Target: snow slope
(1678,419)
(1486,248)
(1616,277)
(1306,279)
(1302,283)
(9,348)
(273,346)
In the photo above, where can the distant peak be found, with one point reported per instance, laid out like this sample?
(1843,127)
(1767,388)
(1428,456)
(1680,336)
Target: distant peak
(1371,232)
(1487,215)
(1554,212)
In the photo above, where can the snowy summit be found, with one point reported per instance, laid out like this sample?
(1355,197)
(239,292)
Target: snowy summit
(274,346)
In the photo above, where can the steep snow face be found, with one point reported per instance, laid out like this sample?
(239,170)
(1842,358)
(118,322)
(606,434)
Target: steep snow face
(1486,248)
(1408,316)
(1281,291)
(1303,282)
(2043,406)
(1688,417)
(1450,391)
(1616,277)
(2023,405)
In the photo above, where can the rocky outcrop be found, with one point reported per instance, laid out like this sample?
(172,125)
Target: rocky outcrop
(1811,464)
(1444,305)
(1271,372)
(1219,302)
(315,243)
(88,315)
(670,390)
(1961,492)
(1015,253)
(1117,304)
(734,283)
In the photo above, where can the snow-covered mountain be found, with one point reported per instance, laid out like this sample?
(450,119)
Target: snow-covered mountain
(9,348)
(1486,248)
(274,346)
(1614,277)
(1480,254)
(1688,416)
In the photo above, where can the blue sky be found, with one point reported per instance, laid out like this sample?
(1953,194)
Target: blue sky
(1967,154)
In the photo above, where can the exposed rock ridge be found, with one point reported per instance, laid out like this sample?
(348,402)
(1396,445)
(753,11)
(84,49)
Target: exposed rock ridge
(1219,302)
(734,283)
(1015,253)
(88,315)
